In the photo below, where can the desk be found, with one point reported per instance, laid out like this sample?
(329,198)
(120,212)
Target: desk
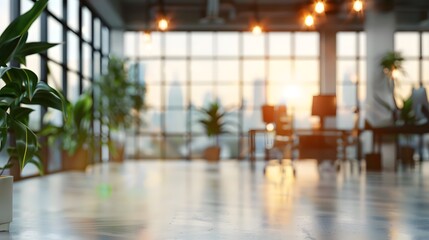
(379,132)
(330,132)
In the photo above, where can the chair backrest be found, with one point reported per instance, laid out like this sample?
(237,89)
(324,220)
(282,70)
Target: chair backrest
(284,122)
(268,114)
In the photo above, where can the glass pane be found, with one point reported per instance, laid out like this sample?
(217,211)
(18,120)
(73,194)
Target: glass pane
(346,96)
(253,71)
(202,95)
(346,44)
(411,74)
(33,63)
(425,43)
(362,44)
(307,71)
(73,51)
(56,8)
(176,44)
(175,147)
(198,145)
(34,32)
(29,170)
(227,71)
(97,65)
(55,157)
(195,117)
(86,85)
(227,44)
(229,145)
(407,43)
(280,44)
(105,40)
(175,95)
(306,44)
(55,78)
(254,95)
(55,36)
(86,24)
(151,71)
(426,70)
(202,71)
(253,45)
(72,87)
(153,96)
(202,44)
(130,41)
(346,71)
(4,14)
(175,121)
(280,70)
(87,61)
(151,48)
(147,146)
(175,71)
(151,121)
(97,33)
(73,14)
(229,95)
(253,119)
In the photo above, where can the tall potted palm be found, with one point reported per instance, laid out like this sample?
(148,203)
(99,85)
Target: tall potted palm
(21,86)
(214,124)
(119,97)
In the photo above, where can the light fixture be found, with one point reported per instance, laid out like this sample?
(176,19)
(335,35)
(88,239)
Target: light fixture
(319,7)
(309,20)
(147,38)
(257,29)
(162,24)
(357,5)
(162,21)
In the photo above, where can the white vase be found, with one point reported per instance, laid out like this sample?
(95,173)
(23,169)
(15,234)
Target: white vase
(6,192)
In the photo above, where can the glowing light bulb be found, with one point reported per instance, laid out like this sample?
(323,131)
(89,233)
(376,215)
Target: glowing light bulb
(357,5)
(395,73)
(319,7)
(257,29)
(163,24)
(147,38)
(270,127)
(309,20)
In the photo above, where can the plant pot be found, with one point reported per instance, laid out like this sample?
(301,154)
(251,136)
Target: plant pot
(118,153)
(407,155)
(212,154)
(78,161)
(6,192)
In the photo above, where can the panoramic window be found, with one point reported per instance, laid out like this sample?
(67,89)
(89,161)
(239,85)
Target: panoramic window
(184,71)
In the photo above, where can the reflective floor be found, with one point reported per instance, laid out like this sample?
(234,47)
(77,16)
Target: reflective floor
(232,200)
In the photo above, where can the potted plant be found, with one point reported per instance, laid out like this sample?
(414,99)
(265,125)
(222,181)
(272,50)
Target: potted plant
(75,134)
(391,64)
(119,98)
(21,86)
(214,124)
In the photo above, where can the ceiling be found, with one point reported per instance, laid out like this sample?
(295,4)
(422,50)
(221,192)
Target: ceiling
(238,15)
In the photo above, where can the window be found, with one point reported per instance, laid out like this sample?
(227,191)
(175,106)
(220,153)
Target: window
(184,71)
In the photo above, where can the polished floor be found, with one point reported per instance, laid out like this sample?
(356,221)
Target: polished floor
(232,200)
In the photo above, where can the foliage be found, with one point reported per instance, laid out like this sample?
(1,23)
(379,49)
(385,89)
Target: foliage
(22,86)
(75,133)
(119,96)
(213,120)
(391,62)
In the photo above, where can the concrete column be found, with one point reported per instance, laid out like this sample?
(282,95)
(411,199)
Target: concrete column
(328,62)
(117,43)
(380,29)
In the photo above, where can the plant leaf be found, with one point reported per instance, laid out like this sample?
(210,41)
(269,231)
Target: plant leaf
(26,142)
(7,48)
(33,48)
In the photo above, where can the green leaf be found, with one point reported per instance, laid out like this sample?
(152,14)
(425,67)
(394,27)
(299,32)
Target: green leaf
(48,97)
(33,48)
(22,23)
(37,161)
(26,142)
(12,89)
(7,48)
(25,77)
(82,109)
(21,114)
(3,128)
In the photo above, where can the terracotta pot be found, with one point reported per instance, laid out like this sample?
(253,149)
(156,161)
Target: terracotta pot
(212,154)
(373,162)
(78,161)
(6,192)
(118,154)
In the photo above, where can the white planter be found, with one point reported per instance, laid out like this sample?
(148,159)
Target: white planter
(6,186)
